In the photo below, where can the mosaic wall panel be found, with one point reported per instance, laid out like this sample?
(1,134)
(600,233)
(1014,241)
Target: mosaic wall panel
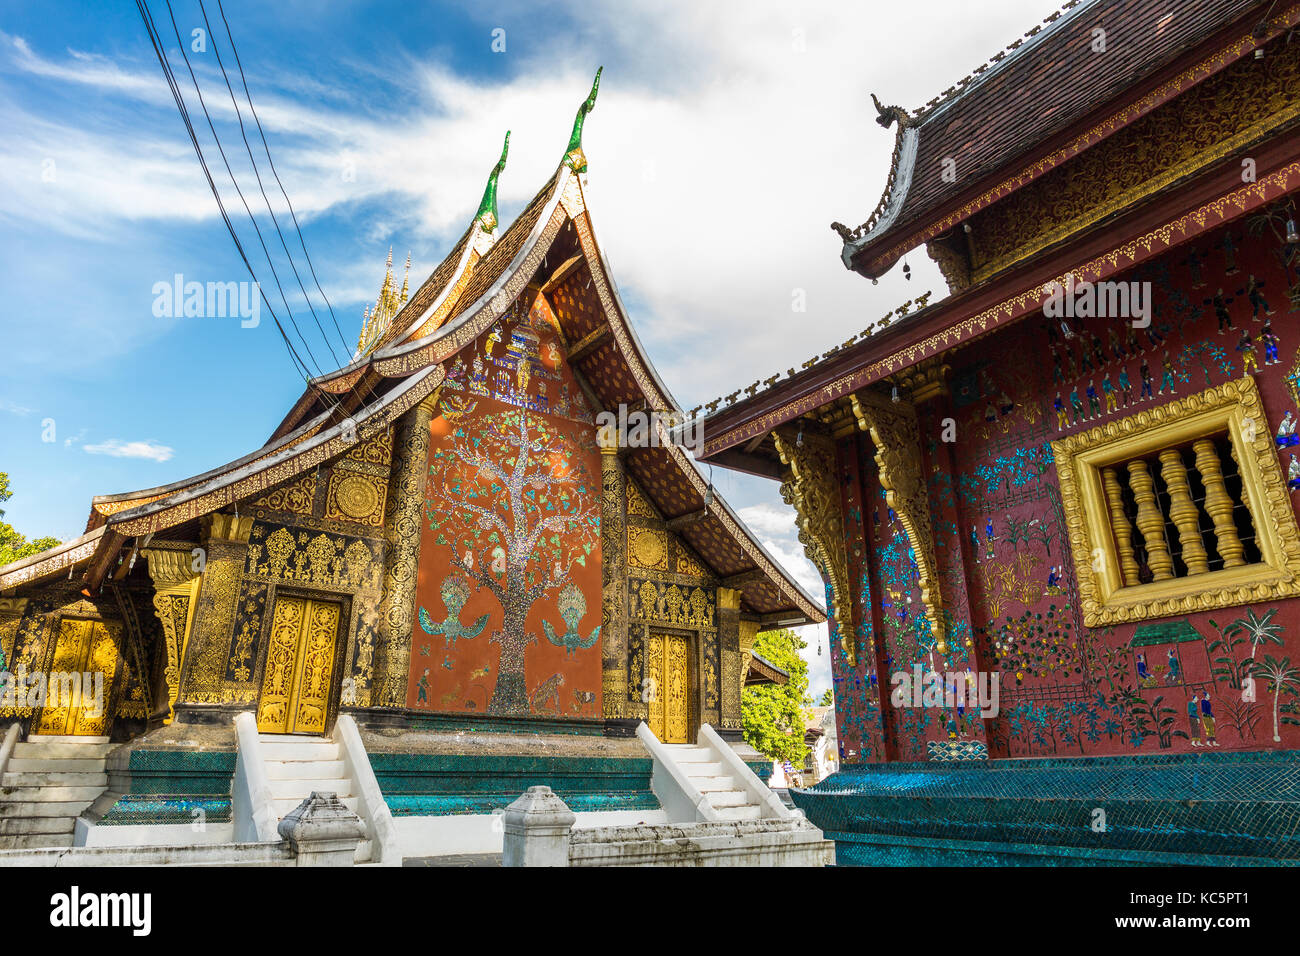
(1217,680)
(508,594)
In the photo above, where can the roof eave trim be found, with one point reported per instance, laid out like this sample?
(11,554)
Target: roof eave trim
(909,139)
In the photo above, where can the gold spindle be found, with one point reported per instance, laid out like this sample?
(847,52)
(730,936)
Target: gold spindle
(1119,524)
(1150,521)
(1218,504)
(1183,512)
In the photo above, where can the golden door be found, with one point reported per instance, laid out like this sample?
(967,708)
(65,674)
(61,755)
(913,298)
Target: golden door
(668,658)
(299,667)
(82,647)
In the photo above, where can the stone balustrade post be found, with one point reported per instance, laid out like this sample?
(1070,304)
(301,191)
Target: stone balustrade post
(322,831)
(537,827)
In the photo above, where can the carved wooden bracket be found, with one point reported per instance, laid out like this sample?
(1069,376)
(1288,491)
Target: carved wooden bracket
(175,585)
(894,431)
(812,490)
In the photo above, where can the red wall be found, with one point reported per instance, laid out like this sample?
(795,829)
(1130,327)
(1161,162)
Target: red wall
(513,539)
(1072,695)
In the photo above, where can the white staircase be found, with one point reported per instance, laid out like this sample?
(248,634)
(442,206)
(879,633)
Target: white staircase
(298,765)
(702,767)
(708,782)
(274,773)
(47,782)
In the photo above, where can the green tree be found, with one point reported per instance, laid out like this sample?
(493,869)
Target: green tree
(772,714)
(828,699)
(14,546)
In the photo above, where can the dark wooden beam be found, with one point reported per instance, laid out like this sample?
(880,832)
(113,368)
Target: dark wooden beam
(588,344)
(562,272)
(685,521)
(791,618)
(738,582)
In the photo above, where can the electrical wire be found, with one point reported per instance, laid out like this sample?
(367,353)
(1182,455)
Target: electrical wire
(261,188)
(276,173)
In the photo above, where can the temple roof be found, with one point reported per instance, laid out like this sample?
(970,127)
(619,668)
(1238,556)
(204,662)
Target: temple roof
(550,246)
(1004,114)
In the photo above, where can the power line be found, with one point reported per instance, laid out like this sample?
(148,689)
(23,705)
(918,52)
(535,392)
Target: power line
(251,218)
(159,50)
(243,135)
(274,172)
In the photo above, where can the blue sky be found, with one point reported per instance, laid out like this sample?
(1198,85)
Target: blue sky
(726,138)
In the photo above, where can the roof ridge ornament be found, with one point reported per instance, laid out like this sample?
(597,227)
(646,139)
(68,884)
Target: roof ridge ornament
(887,116)
(487,209)
(574,157)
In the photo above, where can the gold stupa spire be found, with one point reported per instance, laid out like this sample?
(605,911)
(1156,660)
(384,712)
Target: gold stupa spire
(375,322)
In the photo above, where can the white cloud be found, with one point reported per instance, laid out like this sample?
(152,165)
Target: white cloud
(727,137)
(13,408)
(131,449)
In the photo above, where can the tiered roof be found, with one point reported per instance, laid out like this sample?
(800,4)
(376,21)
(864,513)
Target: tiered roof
(1007,115)
(550,245)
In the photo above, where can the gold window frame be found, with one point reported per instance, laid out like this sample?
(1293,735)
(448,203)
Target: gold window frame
(1234,406)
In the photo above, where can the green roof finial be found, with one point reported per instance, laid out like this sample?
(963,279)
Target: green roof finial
(487,209)
(574,157)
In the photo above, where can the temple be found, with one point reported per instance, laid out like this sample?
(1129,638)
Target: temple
(1054,510)
(440,547)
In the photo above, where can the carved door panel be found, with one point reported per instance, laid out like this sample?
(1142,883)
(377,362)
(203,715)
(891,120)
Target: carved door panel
(82,648)
(299,668)
(668,659)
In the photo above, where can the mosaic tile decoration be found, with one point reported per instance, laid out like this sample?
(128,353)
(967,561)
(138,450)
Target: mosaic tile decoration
(168,786)
(957,750)
(439,784)
(1216,806)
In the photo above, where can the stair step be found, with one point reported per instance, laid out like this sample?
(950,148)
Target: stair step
(283,806)
(56,764)
(35,841)
(749,812)
(31,779)
(65,739)
(40,748)
(300,790)
(364,850)
(727,798)
(48,794)
(9,827)
(688,753)
(11,809)
(706,784)
(305,769)
(701,770)
(291,750)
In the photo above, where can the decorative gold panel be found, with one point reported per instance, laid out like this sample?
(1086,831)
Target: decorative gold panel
(176,586)
(299,667)
(668,663)
(295,497)
(648,549)
(83,647)
(813,492)
(1083,459)
(637,504)
(654,686)
(894,431)
(354,496)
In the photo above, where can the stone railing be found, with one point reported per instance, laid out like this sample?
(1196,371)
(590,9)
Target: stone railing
(250,793)
(539,832)
(320,831)
(680,798)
